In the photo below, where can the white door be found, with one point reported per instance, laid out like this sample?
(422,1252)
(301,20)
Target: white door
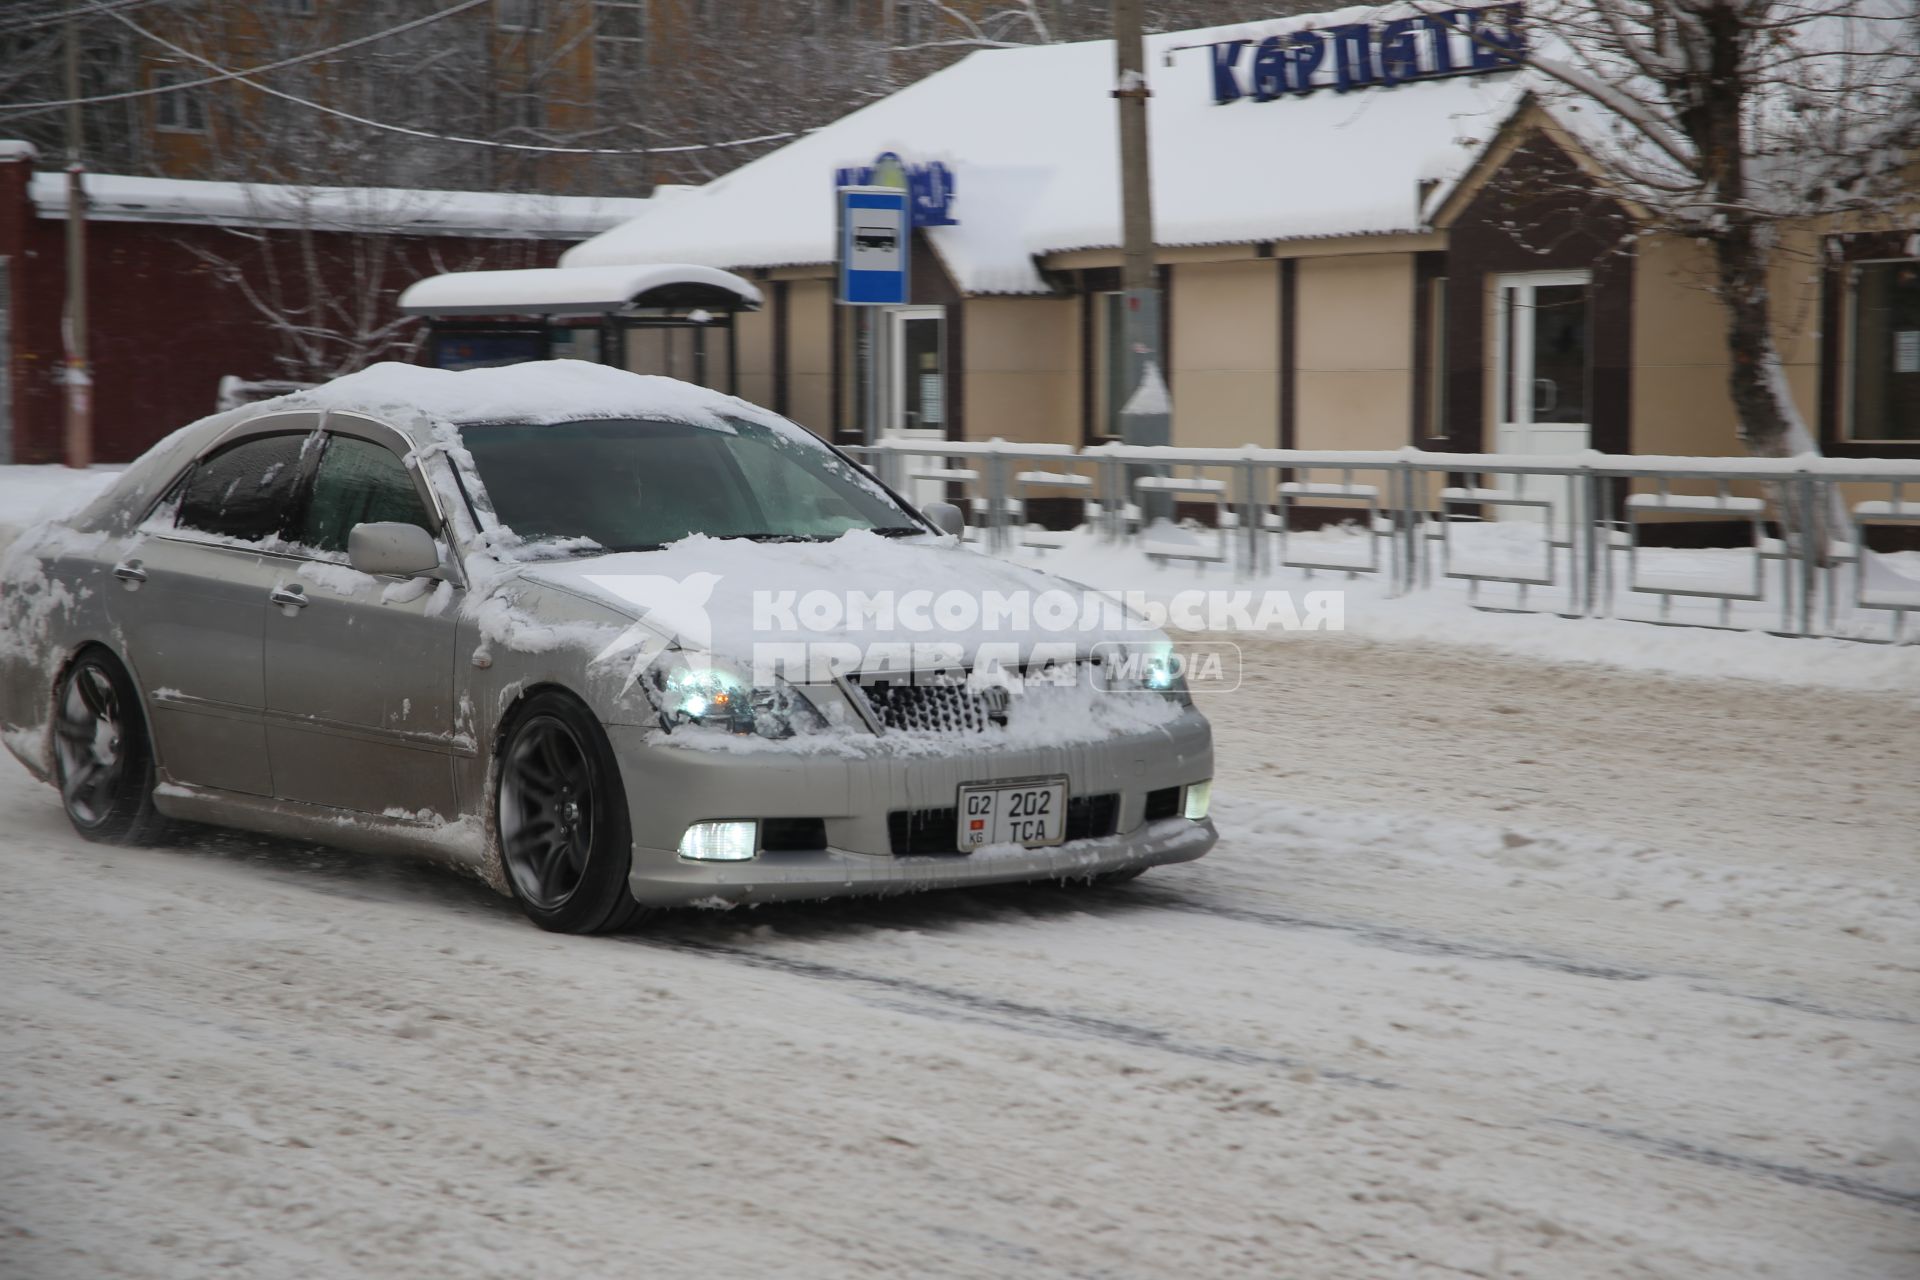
(1544,392)
(914,358)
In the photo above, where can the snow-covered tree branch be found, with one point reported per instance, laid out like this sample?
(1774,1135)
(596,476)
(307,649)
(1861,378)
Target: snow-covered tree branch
(1734,123)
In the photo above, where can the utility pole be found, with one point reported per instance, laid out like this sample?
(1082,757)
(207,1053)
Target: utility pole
(1146,416)
(79,377)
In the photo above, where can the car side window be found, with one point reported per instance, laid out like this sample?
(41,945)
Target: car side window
(244,492)
(359,482)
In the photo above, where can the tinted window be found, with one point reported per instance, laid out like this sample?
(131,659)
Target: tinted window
(244,492)
(631,485)
(358,482)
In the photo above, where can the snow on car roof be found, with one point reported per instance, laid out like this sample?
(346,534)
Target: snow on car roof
(538,391)
(1029,135)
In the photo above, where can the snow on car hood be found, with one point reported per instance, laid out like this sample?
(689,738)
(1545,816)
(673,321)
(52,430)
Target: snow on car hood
(724,596)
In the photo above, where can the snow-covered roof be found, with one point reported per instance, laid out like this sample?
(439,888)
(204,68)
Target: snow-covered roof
(118,198)
(1030,136)
(575,290)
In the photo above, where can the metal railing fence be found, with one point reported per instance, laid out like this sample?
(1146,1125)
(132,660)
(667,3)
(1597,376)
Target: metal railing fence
(1415,519)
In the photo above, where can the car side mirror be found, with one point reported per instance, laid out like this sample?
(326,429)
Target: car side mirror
(392,548)
(946,517)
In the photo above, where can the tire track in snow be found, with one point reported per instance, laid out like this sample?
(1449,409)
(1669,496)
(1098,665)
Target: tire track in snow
(1030,1019)
(1393,937)
(1891,1196)
(1414,942)
(1014,1015)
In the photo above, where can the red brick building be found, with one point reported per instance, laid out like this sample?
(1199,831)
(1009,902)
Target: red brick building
(190,282)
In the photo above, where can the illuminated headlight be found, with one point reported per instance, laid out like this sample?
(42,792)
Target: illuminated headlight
(720,841)
(715,696)
(1147,668)
(1163,674)
(1199,800)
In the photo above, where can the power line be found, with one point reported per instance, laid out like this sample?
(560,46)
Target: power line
(62,14)
(409,131)
(26,108)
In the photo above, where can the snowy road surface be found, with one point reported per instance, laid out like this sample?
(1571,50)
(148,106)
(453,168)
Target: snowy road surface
(1501,970)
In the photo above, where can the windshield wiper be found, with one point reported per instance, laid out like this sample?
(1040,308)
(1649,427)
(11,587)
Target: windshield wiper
(897,531)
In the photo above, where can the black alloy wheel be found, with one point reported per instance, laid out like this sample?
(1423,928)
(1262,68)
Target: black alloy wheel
(102,760)
(561,819)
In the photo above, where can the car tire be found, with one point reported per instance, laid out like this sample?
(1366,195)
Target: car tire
(560,816)
(102,755)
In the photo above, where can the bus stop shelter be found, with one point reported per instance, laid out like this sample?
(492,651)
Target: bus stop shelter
(671,319)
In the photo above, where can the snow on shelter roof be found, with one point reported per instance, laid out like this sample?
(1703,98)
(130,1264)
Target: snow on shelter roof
(1031,138)
(120,198)
(576,290)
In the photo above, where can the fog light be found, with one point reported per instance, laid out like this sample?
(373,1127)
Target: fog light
(719,841)
(1199,800)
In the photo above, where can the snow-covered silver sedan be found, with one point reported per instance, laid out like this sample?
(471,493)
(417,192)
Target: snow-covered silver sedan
(614,642)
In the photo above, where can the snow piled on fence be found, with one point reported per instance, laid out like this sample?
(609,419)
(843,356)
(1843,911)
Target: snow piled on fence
(1442,614)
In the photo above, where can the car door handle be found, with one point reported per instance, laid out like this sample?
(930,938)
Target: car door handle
(290,598)
(130,572)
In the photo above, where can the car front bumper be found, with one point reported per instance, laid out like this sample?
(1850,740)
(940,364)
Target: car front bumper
(671,787)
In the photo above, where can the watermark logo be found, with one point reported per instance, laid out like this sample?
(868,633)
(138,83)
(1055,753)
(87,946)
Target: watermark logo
(996,643)
(1055,610)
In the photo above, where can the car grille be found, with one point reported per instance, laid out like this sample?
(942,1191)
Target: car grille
(934,708)
(932,831)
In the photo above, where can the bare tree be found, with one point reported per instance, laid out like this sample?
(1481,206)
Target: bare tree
(323,269)
(1728,121)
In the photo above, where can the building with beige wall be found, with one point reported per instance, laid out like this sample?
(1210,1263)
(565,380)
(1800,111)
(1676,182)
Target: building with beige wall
(1428,262)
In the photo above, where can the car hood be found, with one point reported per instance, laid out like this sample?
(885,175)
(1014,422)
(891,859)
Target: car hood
(725,596)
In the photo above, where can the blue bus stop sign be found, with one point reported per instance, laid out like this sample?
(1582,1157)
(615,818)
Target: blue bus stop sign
(875,240)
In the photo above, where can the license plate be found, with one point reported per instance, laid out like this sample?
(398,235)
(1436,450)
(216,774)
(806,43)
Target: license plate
(1031,812)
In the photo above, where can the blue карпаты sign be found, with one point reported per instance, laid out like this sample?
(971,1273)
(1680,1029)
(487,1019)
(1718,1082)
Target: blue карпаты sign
(929,186)
(1360,55)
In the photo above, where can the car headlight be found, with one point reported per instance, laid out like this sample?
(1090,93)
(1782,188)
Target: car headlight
(720,698)
(1147,668)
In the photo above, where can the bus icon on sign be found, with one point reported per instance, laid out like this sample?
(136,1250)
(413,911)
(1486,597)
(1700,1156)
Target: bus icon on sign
(873,240)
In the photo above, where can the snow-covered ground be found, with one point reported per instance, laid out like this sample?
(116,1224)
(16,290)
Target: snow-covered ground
(1502,968)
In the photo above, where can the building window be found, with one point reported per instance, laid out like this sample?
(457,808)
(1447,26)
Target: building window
(907,21)
(518,15)
(183,110)
(1882,374)
(619,34)
(527,111)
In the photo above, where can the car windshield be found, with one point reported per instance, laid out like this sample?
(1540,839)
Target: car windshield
(634,484)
